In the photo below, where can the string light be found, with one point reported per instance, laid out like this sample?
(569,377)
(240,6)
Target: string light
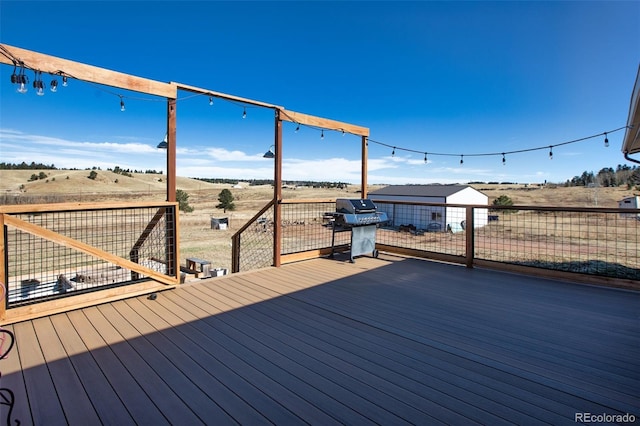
(425,158)
(503,154)
(21,79)
(504,160)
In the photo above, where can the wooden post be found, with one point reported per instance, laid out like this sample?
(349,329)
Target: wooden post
(3,270)
(171,150)
(363,176)
(277,192)
(469,232)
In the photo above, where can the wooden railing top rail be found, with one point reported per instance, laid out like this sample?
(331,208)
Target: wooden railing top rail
(308,200)
(57,207)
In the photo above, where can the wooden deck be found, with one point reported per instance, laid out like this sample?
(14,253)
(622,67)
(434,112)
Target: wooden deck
(388,341)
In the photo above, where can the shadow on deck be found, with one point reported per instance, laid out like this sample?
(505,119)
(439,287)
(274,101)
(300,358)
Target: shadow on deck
(390,340)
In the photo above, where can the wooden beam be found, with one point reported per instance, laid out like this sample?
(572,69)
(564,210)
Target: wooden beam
(325,123)
(54,65)
(226,96)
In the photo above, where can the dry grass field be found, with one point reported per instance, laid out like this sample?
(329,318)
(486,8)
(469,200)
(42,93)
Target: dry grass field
(197,239)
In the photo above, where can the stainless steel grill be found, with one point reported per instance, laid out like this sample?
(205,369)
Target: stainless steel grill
(361,218)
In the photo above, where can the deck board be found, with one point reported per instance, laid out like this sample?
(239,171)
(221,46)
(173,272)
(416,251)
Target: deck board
(386,341)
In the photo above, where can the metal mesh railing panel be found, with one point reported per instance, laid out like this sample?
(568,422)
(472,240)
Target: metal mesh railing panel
(256,243)
(588,242)
(41,268)
(432,228)
(308,226)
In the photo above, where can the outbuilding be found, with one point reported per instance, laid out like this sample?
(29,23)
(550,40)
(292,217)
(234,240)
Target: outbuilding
(430,218)
(630,203)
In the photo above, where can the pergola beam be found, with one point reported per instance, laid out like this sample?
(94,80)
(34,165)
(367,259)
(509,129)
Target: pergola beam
(54,65)
(226,96)
(325,123)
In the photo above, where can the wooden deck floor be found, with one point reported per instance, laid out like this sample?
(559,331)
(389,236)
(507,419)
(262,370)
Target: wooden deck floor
(382,341)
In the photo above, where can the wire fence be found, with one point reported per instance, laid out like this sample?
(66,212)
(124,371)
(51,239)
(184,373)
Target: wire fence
(592,241)
(43,260)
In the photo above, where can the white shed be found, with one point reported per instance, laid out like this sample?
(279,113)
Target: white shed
(431,217)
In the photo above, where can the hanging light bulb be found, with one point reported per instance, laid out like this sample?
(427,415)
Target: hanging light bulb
(504,160)
(461,160)
(322,134)
(244,113)
(606,140)
(551,152)
(54,85)
(343,132)
(425,158)
(393,153)
(297,127)
(65,82)
(121,104)
(38,84)
(23,81)
(210,100)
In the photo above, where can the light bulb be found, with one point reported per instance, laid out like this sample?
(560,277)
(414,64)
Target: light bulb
(210,100)
(121,105)
(65,83)
(606,140)
(244,113)
(54,86)
(322,134)
(504,160)
(23,87)
(298,128)
(461,160)
(40,91)
(425,158)
(550,153)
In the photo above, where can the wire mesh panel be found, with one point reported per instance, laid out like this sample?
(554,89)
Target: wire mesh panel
(596,242)
(428,227)
(257,242)
(44,262)
(308,226)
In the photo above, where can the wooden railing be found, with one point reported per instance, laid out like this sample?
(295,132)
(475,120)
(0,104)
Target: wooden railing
(56,256)
(598,245)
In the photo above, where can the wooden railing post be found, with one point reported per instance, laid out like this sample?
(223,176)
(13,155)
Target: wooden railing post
(277,192)
(469,234)
(4,278)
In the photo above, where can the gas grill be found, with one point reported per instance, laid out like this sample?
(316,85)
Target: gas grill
(361,218)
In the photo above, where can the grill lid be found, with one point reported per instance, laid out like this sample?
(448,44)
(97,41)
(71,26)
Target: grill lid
(355,206)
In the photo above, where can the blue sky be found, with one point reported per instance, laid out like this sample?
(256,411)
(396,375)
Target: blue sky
(458,78)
